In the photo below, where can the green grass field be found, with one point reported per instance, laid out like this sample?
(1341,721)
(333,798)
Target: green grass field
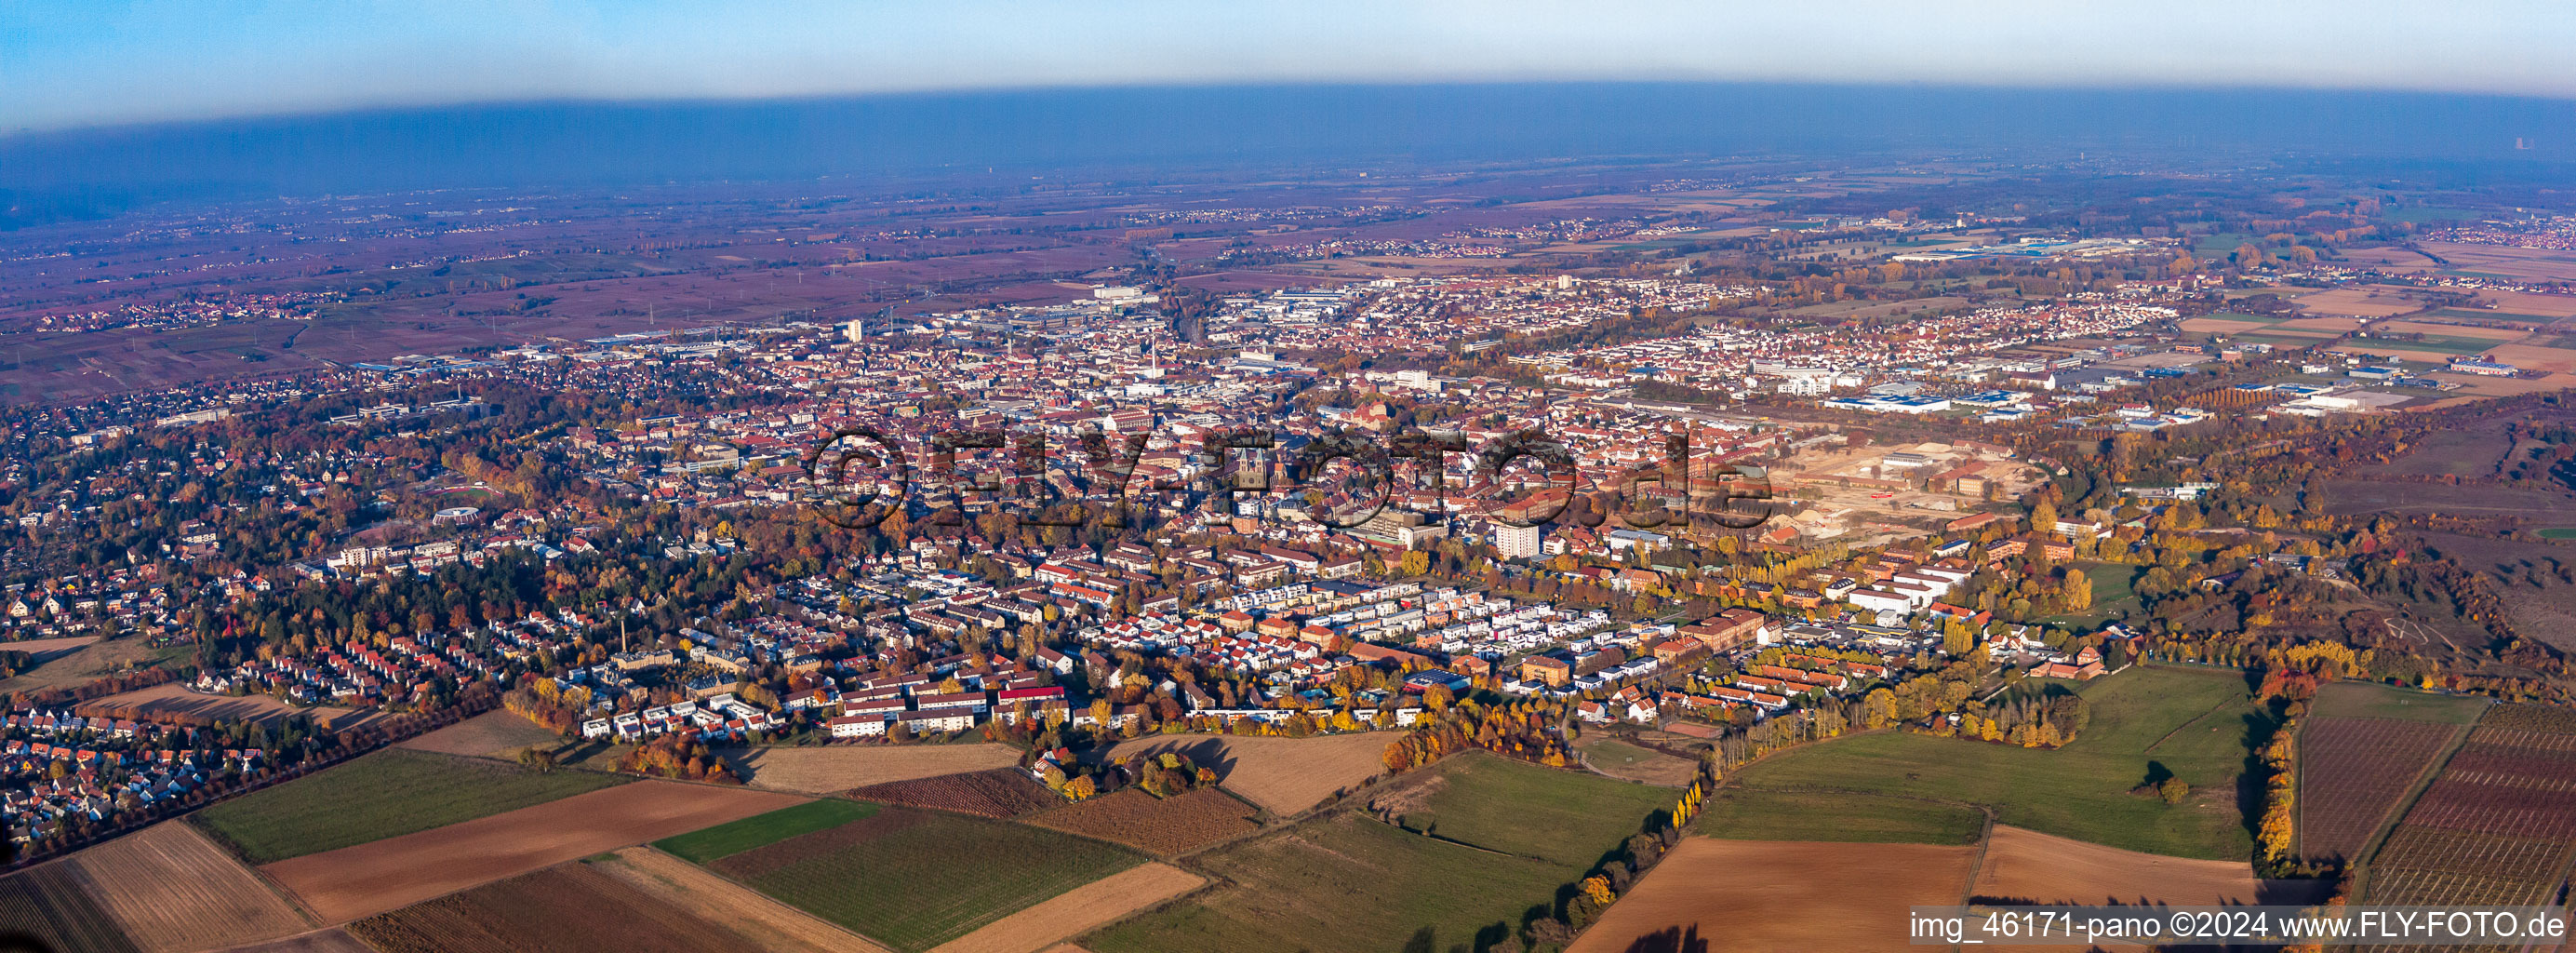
(932,881)
(386,794)
(2433,343)
(2114,591)
(1524,809)
(1505,836)
(2559,532)
(1345,883)
(2474,314)
(726,840)
(1742,814)
(2372,700)
(2195,724)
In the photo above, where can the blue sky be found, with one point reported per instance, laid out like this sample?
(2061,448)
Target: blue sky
(71,64)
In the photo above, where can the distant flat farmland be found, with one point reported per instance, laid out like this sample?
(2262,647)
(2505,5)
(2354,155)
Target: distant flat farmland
(388,874)
(1285,776)
(385,794)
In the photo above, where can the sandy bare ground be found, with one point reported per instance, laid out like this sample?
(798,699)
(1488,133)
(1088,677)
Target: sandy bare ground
(1780,895)
(368,879)
(1095,904)
(177,699)
(1284,776)
(173,890)
(771,926)
(492,734)
(837,768)
(334,940)
(2028,865)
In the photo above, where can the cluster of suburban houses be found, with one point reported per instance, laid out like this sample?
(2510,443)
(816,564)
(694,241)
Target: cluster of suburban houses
(103,770)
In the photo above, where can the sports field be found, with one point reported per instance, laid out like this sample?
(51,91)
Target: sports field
(2196,725)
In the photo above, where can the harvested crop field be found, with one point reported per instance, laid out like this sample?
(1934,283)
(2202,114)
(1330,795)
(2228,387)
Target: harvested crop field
(1000,792)
(913,880)
(171,889)
(1284,776)
(836,768)
(369,879)
(333,940)
(1781,895)
(2027,865)
(770,926)
(51,904)
(570,908)
(492,734)
(1092,905)
(1163,827)
(384,794)
(2353,772)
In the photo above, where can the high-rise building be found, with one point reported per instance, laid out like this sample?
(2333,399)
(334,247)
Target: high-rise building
(1517,542)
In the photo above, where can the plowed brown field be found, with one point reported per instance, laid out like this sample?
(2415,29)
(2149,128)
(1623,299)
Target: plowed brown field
(362,881)
(492,734)
(171,890)
(565,909)
(771,926)
(1067,914)
(1781,895)
(2028,865)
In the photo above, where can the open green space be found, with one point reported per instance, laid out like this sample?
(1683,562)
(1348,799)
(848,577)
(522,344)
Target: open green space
(2115,590)
(2224,243)
(1745,814)
(2432,213)
(1524,809)
(2559,532)
(726,840)
(386,794)
(2197,725)
(939,877)
(2374,700)
(1346,883)
(1489,843)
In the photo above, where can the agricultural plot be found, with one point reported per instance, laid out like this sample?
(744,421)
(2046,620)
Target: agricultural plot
(1000,792)
(492,734)
(2372,700)
(914,879)
(728,839)
(385,794)
(835,768)
(50,904)
(2353,772)
(1345,883)
(1526,810)
(1285,776)
(172,890)
(1164,827)
(389,874)
(1731,895)
(2497,826)
(1743,814)
(1091,905)
(2196,724)
(570,909)
(2026,866)
(771,926)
